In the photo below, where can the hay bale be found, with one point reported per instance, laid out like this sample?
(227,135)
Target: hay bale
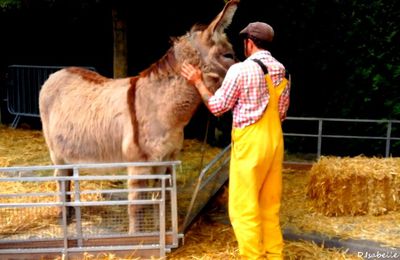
(349,186)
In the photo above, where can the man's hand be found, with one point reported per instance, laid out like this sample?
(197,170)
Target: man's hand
(194,76)
(191,73)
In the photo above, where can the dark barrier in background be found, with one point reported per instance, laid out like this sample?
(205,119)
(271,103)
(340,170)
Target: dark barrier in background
(23,85)
(303,135)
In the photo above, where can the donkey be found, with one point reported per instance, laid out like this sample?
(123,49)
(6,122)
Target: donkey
(90,118)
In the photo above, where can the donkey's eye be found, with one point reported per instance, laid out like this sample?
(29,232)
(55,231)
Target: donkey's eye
(229,56)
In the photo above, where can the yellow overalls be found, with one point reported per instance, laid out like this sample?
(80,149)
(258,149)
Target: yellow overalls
(255,183)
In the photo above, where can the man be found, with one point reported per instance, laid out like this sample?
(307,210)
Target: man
(255,178)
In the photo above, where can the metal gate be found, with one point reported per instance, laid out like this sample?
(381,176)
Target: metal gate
(34,223)
(23,85)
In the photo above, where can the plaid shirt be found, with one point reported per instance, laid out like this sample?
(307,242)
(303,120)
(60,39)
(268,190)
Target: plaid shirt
(244,90)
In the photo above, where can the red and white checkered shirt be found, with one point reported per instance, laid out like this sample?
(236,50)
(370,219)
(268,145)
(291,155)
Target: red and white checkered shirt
(244,90)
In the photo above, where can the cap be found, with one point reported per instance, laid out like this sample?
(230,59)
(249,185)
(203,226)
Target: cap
(258,30)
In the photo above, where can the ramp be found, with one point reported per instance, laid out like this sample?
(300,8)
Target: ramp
(210,180)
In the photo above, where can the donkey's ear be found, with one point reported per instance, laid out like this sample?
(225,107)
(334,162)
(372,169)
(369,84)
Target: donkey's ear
(223,19)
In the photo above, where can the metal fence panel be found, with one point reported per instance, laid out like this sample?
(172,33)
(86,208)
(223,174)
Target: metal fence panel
(23,85)
(35,220)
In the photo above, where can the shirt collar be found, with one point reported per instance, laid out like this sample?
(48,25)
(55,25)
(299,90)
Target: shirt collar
(260,54)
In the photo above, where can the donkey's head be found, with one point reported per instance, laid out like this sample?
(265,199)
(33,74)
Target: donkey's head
(209,48)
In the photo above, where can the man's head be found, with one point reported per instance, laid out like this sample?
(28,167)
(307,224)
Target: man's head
(260,33)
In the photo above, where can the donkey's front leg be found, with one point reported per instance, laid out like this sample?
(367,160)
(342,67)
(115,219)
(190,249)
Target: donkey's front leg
(136,217)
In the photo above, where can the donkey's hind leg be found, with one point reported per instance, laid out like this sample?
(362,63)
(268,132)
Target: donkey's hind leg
(64,189)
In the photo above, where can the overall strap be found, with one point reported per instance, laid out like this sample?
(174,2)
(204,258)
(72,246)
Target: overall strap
(263,67)
(267,77)
(279,88)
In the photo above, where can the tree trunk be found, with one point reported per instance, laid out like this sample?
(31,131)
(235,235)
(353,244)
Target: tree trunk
(120,43)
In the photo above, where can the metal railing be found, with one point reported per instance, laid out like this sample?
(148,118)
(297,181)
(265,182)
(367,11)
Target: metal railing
(23,85)
(87,233)
(321,133)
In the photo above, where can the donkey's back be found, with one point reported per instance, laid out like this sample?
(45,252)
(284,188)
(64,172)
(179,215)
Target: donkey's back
(78,109)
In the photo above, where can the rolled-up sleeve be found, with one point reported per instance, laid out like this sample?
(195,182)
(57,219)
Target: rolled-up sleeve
(284,101)
(277,74)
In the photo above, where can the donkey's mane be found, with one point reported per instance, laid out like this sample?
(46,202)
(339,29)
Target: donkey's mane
(168,64)
(198,27)
(164,66)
